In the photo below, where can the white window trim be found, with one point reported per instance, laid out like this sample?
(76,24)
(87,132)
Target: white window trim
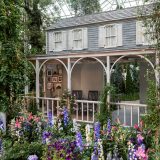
(143,37)
(111,46)
(60,49)
(73,48)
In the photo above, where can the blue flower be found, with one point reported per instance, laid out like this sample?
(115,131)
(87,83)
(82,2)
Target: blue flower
(46,136)
(96,131)
(79,142)
(65,116)
(50,119)
(109,126)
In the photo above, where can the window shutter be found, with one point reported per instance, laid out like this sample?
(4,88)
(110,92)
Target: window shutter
(51,41)
(85,38)
(64,40)
(102,34)
(139,33)
(70,40)
(119,35)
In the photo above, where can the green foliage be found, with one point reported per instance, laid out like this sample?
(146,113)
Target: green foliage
(13,63)
(21,150)
(117,79)
(68,100)
(83,7)
(105,111)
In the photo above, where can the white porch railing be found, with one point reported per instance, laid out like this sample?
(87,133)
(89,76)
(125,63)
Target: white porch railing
(128,114)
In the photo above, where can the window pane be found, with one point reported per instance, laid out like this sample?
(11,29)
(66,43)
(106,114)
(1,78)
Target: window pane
(58,36)
(77,34)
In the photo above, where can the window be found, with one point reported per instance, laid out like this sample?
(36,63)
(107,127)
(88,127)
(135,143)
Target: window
(58,40)
(77,39)
(111,40)
(110,35)
(143,35)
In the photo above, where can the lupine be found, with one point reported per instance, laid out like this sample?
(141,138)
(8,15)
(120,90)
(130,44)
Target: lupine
(75,126)
(32,157)
(131,151)
(50,119)
(96,131)
(100,150)
(65,116)
(109,126)
(88,137)
(79,141)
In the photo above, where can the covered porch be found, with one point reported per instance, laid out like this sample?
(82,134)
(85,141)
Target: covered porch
(85,75)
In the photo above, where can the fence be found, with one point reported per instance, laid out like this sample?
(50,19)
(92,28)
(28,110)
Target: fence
(85,110)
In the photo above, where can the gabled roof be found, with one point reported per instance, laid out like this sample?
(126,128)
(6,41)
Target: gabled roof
(115,15)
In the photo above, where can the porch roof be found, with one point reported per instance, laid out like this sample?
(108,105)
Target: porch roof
(92,54)
(119,14)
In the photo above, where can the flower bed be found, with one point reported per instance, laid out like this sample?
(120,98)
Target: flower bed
(33,138)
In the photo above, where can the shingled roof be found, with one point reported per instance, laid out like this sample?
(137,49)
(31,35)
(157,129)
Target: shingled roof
(115,15)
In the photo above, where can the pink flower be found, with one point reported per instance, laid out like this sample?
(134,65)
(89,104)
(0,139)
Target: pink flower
(136,126)
(17,124)
(140,153)
(30,117)
(36,119)
(139,136)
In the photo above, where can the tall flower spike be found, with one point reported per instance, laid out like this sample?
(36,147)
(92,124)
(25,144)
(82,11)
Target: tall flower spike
(96,131)
(88,137)
(79,142)
(65,116)
(50,119)
(108,126)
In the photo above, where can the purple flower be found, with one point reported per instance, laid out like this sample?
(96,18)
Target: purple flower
(96,131)
(79,142)
(45,137)
(109,126)
(32,157)
(65,116)
(140,139)
(50,119)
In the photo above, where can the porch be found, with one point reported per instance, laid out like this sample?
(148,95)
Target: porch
(87,73)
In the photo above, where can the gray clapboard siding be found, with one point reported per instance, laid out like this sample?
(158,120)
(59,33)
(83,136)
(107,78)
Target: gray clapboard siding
(128,35)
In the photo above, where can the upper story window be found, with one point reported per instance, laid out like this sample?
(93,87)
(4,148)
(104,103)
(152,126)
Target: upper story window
(110,35)
(77,39)
(143,35)
(58,40)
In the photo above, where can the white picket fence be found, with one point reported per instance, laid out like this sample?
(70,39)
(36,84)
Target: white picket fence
(85,110)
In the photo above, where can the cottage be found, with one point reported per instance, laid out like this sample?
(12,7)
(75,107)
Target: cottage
(81,53)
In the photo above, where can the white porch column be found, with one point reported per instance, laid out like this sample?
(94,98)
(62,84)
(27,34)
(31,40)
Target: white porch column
(108,76)
(108,69)
(69,75)
(37,81)
(44,80)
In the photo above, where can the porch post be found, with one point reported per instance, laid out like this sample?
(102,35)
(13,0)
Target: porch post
(37,82)
(108,70)
(108,76)
(69,75)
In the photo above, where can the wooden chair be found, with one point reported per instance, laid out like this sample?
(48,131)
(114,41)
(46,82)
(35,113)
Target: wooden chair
(77,94)
(93,95)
